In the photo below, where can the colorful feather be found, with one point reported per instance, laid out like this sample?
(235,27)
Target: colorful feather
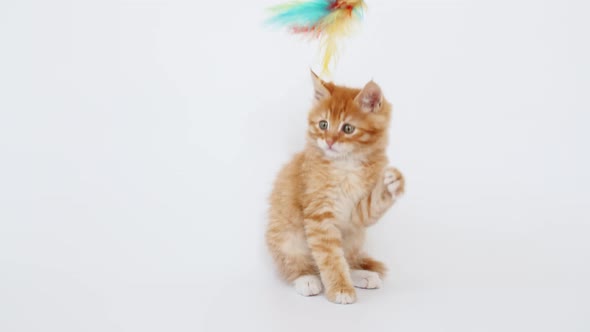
(327,20)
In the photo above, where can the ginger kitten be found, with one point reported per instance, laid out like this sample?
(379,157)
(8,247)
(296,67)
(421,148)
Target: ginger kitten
(328,194)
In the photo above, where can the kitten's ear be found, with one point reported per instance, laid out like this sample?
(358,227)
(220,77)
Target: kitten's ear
(370,99)
(319,87)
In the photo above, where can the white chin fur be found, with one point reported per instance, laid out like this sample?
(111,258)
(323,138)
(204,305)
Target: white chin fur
(332,153)
(338,150)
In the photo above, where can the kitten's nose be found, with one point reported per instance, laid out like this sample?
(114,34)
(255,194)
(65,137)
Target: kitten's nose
(330,142)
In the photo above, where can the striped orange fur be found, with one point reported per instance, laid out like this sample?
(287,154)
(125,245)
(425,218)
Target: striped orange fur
(329,193)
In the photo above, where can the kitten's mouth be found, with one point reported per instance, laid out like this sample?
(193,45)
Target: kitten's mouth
(331,152)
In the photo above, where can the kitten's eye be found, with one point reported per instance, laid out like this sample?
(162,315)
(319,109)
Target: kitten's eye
(348,128)
(323,125)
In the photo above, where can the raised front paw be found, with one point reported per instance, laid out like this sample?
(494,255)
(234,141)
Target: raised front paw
(394,182)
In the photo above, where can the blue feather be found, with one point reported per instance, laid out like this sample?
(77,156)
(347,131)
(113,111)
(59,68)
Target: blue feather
(304,14)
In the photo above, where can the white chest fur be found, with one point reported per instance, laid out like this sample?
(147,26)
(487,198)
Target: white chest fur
(350,186)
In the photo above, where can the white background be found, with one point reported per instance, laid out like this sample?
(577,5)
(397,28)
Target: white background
(139,141)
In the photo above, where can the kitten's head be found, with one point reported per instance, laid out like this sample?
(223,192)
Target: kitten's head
(348,122)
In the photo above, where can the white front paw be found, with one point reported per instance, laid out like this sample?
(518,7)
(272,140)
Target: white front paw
(393,181)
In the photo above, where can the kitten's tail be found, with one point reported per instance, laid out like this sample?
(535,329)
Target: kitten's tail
(368,263)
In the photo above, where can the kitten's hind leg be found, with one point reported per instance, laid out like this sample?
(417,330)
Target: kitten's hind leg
(365,279)
(308,285)
(293,259)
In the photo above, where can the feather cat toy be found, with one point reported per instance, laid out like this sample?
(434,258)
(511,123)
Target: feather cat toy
(326,20)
